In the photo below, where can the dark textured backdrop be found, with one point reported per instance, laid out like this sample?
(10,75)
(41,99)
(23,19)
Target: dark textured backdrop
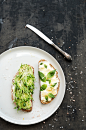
(63,21)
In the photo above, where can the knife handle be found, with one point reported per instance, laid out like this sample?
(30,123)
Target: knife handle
(63,52)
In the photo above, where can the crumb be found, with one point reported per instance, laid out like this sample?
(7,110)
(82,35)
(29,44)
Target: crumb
(70,92)
(38,116)
(52,125)
(51,39)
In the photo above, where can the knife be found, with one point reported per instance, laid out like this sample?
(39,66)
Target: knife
(39,33)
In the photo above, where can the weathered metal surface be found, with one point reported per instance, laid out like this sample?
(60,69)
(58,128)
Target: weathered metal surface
(63,21)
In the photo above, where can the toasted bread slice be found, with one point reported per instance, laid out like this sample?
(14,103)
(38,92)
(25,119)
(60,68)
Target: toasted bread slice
(27,87)
(45,67)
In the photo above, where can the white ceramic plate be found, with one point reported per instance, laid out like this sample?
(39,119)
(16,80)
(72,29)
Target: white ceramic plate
(10,62)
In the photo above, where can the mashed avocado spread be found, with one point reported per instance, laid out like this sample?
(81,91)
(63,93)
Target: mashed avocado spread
(24,86)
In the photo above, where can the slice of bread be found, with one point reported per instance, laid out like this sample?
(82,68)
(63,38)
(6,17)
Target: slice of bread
(45,67)
(13,93)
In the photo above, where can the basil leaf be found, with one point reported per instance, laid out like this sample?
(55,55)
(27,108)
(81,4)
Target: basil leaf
(42,76)
(51,74)
(46,97)
(41,63)
(49,80)
(43,87)
(51,95)
(53,85)
(45,66)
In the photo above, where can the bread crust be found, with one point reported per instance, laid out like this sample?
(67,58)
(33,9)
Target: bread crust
(25,110)
(45,102)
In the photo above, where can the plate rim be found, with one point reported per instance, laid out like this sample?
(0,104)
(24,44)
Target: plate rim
(5,117)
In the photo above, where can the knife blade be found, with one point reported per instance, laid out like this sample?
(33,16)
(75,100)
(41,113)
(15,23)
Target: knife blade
(39,33)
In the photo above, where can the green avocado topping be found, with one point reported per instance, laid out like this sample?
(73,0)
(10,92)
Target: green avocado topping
(24,86)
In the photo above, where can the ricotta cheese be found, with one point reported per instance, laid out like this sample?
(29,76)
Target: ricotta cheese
(52,86)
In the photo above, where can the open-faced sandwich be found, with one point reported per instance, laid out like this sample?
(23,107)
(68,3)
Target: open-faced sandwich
(49,81)
(22,88)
